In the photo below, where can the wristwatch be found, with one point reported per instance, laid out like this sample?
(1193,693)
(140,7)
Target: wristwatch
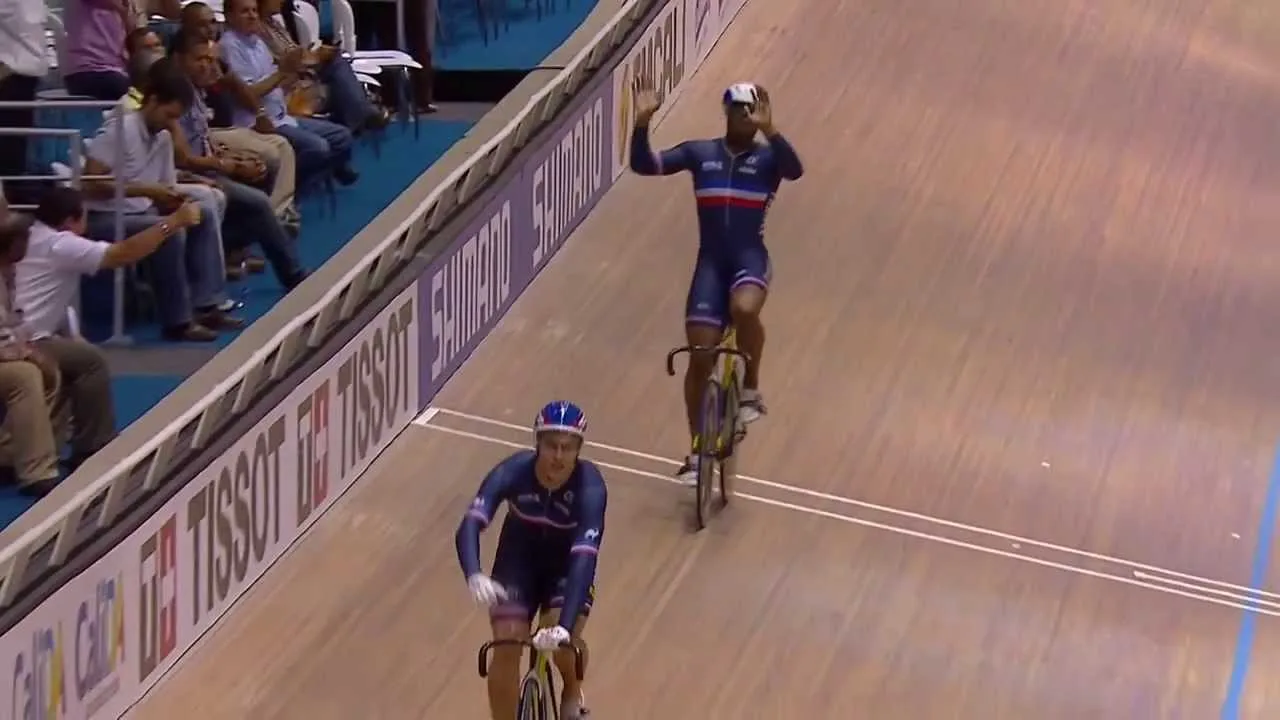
(166,228)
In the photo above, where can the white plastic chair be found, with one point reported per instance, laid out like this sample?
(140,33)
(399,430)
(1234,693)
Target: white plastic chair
(344,22)
(308,24)
(308,20)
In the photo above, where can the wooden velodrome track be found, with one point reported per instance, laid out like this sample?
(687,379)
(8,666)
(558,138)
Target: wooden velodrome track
(1022,382)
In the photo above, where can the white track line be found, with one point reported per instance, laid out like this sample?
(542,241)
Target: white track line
(1147,570)
(1139,579)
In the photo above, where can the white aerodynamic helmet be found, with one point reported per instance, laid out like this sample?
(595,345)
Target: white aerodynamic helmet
(741,93)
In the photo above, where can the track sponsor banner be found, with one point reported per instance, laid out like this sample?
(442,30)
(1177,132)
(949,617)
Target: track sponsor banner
(108,635)
(468,288)
(659,59)
(666,56)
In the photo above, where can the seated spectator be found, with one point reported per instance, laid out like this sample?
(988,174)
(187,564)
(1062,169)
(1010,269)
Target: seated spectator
(140,39)
(323,148)
(47,280)
(23,62)
(222,97)
(347,102)
(187,272)
(139,66)
(249,210)
(142,66)
(29,380)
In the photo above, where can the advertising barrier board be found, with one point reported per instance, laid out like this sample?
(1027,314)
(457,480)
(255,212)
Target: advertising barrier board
(468,288)
(109,634)
(96,645)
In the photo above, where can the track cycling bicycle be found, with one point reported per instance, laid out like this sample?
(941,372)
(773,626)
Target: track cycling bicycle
(538,697)
(719,429)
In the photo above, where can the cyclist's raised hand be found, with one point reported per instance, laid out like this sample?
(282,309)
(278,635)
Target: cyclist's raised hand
(646,101)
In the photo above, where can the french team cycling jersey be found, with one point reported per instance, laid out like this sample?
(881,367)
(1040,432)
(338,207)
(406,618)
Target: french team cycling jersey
(565,525)
(733,192)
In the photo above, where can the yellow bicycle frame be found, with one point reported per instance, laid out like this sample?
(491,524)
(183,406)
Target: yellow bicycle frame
(724,378)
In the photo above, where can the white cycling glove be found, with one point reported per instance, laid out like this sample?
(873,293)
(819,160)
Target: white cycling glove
(550,638)
(485,591)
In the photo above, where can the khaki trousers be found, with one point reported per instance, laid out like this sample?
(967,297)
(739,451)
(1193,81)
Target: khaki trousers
(276,153)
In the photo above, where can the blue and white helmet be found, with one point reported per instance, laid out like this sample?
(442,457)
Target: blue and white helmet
(741,93)
(560,416)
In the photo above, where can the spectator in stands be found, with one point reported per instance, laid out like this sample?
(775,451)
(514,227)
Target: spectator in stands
(249,214)
(186,272)
(143,66)
(23,62)
(139,67)
(348,103)
(322,147)
(29,380)
(48,278)
(142,38)
(222,97)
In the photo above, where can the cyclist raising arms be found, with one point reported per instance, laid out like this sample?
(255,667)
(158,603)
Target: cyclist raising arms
(735,180)
(545,564)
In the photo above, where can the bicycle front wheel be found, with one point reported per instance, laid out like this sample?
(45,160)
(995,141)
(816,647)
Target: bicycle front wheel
(532,703)
(708,451)
(729,436)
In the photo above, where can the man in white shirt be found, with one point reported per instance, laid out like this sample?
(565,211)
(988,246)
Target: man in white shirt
(23,62)
(48,281)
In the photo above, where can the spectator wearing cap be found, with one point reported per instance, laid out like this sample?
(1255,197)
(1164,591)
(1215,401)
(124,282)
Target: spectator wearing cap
(187,273)
(23,62)
(47,280)
(250,215)
(29,380)
(323,148)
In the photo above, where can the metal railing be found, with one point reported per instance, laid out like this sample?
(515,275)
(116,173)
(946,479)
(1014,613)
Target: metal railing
(95,496)
(75,177)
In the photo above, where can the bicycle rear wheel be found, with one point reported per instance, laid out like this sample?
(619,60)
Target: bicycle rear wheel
(709,439)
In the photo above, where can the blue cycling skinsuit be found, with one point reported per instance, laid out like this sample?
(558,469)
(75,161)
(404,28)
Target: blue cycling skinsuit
(546,556)
(733,194)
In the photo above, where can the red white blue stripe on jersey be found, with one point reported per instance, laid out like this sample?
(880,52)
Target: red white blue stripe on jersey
(539,519)
(731,197)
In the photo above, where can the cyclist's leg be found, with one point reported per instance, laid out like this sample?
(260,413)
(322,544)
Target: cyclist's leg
(572,706)
(510,620)
(747,295)
(706,314)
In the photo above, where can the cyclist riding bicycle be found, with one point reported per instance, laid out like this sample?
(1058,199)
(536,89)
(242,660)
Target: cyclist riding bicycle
(734,182)
(545,563)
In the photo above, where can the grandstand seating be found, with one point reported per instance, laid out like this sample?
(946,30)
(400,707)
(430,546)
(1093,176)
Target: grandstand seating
(517,36)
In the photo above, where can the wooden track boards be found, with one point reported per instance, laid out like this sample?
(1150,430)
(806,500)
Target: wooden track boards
(1027,286)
